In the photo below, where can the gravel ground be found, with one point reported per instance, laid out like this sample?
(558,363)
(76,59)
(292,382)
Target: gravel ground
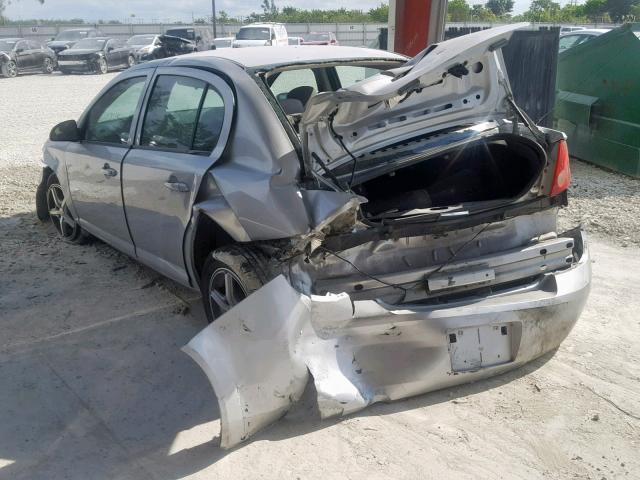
(93,384)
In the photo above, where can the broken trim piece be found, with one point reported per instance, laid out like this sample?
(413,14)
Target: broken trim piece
(249,356)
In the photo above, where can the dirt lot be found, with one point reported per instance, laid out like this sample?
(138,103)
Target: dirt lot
(93,384)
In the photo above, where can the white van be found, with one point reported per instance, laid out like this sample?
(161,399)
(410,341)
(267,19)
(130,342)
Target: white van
(262,35)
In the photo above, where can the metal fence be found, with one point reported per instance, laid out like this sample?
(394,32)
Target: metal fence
(356,34)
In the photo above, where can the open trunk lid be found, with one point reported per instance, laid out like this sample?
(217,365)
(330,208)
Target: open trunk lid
(461,81)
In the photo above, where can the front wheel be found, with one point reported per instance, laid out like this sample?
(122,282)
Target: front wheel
(131,61)
(103,67)
(230,275)
(10,69)
(59,213)
(47,66)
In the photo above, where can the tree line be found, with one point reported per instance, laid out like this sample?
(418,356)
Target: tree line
(546,11)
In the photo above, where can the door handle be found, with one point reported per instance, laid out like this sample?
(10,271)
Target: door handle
(107,171)
(175,186)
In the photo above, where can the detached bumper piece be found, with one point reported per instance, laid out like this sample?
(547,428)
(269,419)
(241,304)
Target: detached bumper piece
(259,354)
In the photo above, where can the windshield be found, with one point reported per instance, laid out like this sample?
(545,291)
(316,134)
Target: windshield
(72,35)
(89,43)
(141,40)
(7,45)
(187,33)
(316,37)
(254,33)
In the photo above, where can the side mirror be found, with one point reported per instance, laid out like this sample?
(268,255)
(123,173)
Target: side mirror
(19,50)
(67,131)
(198,39)
(110,49)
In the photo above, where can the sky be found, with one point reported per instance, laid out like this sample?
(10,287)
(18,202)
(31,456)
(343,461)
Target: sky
(173,10)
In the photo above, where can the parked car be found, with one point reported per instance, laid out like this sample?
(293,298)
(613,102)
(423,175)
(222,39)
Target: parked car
(96,55)
(571,39)
(19,55)
(398,236)
(201,36)
(223,42)
(68,38)
(261,35)
(320,38)
(296,40)
(153,47)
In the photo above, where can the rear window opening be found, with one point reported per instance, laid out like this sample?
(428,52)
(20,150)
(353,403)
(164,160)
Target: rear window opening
(501,167)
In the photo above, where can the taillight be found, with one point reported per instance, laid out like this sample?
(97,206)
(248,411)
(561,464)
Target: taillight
(562,174)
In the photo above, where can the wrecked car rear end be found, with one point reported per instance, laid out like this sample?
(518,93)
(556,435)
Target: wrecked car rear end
(434,256)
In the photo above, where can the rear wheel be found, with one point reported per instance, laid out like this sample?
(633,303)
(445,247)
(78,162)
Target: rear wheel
(230,275)
(10,69)
(59,213)
(47,66)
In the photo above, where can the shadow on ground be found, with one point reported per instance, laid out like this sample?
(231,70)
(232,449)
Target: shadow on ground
(113,396)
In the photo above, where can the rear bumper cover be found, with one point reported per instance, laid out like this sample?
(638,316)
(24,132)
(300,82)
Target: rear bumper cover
(258,356)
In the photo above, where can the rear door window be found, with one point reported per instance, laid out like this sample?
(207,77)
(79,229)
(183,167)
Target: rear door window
(172,113)
(184,114)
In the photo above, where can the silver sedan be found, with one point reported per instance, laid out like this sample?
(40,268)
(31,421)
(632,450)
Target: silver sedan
(387,225)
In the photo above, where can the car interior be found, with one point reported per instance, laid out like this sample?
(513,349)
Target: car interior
(294,87)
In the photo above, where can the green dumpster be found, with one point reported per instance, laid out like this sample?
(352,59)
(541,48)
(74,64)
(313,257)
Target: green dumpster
(598,99)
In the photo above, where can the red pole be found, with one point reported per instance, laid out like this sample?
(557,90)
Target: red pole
(417,23)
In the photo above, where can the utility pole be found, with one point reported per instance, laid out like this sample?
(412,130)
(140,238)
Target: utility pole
(213,17)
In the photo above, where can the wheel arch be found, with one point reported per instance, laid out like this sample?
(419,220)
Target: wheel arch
(213,225)
(42,211)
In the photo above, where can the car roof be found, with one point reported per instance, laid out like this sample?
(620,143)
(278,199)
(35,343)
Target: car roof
(255,57)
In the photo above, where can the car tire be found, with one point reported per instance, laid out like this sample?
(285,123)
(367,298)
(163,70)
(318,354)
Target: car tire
(239,267)
(10,69)
(47,66)
(131,61)
(42,211)
(58,212)
(103,66)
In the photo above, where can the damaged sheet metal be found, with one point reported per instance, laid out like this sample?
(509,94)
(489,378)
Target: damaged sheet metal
(462,80)
(258,355)
(249,355)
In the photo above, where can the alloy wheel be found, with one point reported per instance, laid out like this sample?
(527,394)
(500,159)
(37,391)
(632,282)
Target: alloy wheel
(131,61)
(12,69)
(102,65)
(59,212)
(48,65)
(225,291)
